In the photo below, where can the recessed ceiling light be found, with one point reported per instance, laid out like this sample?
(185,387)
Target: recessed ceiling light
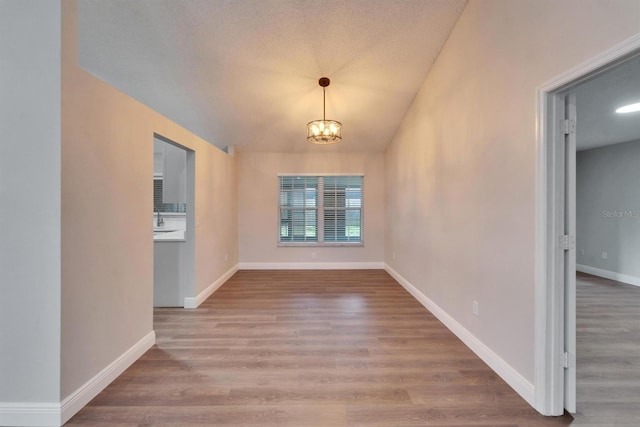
(631,108)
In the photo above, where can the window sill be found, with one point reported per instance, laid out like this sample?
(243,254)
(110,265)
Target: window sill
(323,244)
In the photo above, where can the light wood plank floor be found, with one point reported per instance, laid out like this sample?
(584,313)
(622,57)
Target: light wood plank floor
(308,348)
(608,352)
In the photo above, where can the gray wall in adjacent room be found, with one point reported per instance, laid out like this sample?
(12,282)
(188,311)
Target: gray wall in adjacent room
(30,188)
(608,208)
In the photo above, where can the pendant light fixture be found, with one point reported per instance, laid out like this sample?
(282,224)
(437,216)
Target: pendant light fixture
(324,131)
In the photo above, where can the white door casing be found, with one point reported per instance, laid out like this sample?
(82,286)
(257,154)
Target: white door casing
(569,246)
(550,260)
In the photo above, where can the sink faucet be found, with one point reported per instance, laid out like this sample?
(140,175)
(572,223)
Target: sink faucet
(160,221)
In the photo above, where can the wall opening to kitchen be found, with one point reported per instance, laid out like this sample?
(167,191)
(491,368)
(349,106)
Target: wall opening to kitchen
(173,223)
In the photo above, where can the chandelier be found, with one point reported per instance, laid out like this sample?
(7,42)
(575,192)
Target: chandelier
(324,131)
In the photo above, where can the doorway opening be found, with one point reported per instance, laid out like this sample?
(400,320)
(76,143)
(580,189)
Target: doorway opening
(173,223)
(559,130)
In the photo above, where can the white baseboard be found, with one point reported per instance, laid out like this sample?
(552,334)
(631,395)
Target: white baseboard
(29,414)
(190,302)
(311,265)
(56,414)
(83,395)
(619,277)
(520,384)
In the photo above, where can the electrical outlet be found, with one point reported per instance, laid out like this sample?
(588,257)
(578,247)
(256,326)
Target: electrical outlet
(314,255)
(604,255)
(393,256)
(581,251)
(226,256)
(476,308)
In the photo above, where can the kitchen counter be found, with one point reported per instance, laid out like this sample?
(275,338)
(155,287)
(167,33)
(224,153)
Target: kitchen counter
(168,235)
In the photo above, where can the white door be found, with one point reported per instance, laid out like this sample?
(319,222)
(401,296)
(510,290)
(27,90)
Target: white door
(570,256)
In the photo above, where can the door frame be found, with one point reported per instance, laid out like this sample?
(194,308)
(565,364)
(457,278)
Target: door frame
(549,283)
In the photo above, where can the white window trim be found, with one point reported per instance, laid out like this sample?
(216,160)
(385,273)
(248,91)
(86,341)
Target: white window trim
(320,202)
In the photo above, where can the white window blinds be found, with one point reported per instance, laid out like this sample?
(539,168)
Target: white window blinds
(342,213)
(299,208)
(321,209)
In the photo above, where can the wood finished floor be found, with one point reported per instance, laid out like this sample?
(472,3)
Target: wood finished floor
(608,352)
(308,348)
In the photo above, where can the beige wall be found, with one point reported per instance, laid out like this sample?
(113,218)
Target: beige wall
(460,172)
(107,246)
(258,193)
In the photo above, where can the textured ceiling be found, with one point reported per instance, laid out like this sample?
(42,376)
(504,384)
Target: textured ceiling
(245,72)
(597,101)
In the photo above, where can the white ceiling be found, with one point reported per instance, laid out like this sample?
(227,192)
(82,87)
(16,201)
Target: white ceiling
(596,101)
(245,72)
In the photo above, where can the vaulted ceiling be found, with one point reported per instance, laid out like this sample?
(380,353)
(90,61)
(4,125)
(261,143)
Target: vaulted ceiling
(245,72)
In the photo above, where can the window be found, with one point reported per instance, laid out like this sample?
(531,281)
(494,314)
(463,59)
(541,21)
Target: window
(320,209)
